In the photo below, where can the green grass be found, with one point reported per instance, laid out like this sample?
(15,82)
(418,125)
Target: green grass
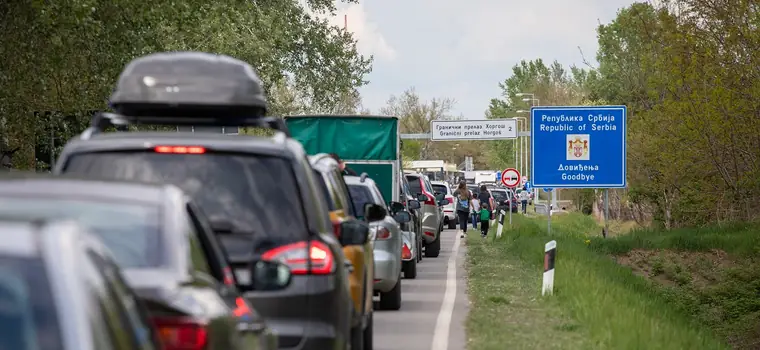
(597,303)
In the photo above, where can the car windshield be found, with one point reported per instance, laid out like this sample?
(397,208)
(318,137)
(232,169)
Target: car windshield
(28,316)
(130,230)
(360,196)
(257,194)
(440,188)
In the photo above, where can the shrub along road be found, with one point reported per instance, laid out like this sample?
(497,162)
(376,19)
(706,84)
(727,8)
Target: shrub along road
(599,303)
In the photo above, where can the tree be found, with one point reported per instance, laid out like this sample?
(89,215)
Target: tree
(415,116)
(64,56)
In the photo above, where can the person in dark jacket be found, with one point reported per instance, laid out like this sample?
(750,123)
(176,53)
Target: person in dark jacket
(343,168)
(485,198)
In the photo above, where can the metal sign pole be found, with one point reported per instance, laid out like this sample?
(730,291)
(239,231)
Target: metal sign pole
(606,212)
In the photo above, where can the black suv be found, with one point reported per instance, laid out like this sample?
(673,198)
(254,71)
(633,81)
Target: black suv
(260,193)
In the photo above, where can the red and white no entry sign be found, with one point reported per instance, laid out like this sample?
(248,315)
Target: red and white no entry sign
(510,177)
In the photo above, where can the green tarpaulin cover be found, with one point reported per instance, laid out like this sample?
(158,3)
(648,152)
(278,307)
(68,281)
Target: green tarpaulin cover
(382,174)
(351,137)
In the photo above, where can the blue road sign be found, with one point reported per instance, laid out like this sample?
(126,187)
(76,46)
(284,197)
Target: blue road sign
(548,189)
(561,152)
(498,176)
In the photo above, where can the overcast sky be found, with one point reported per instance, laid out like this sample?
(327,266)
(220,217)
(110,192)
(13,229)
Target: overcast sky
(463,49)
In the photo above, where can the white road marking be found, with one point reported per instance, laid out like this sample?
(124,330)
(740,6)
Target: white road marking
(443,324)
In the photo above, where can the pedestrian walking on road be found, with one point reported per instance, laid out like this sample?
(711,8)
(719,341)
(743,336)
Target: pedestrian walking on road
(524,197)
(485,217)
(463,204)
(485,197)
(475,213)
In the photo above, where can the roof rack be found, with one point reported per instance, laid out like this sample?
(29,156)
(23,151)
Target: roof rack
(103,120)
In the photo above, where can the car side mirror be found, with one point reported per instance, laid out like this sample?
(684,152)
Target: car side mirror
(396,207)
(374,212)
(443,202)
(270,275)
(353,232)
(403,217)
(439,196)
(422,197)
(413,204)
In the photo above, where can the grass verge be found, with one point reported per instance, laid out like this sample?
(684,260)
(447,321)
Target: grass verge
(597,304)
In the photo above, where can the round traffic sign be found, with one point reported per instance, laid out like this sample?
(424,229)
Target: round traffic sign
(548,189)
(510,177)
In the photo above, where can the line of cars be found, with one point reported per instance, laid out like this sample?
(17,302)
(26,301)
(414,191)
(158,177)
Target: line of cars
(176,241)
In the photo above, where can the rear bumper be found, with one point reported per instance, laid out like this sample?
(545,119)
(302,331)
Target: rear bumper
(313,312)
(387,270)
(304,335)
(449,215)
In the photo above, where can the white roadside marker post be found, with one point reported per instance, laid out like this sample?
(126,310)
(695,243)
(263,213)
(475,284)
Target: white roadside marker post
(500,228)
(550,255)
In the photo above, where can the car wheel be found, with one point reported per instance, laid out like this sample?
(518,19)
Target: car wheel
(368,333)
(410,269)
(434,248)
(357,337)
(452,224)
(392,299)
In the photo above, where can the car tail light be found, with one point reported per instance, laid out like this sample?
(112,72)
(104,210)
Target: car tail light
(336,228)
(180,333)
(297,256)
(229,278)
(430,198)
(382,233)
(450,199)
(406,253)
(428,233)
(180,149)
(241,307)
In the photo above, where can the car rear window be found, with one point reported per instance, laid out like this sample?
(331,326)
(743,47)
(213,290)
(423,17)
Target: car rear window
(440,188)
(28,316)
(130,230)
(360,196)
(257,194)
(499,195)
(414,185)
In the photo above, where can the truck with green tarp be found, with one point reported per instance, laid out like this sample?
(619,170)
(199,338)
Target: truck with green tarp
(367,144)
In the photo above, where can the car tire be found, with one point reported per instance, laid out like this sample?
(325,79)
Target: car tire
(452,224)
(357,337)
(433,249)
(368,343)
(392,299)
(410,269)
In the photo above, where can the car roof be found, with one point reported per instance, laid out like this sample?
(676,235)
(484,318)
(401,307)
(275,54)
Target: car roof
(277,145)
(66,185)
(24,242)
(356,180)
(439,183)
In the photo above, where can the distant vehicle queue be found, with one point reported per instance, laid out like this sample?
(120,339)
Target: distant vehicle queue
(172,240)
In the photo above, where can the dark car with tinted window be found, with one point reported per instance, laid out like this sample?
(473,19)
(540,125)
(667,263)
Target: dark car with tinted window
(165,247)
(60,289)
(259,192)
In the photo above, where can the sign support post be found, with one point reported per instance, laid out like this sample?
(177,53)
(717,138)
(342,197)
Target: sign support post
(606,212)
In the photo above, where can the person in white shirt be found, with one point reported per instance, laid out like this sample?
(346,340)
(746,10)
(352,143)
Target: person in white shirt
(524,197)
(474,214)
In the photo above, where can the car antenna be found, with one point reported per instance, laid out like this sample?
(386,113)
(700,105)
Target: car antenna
(363,177)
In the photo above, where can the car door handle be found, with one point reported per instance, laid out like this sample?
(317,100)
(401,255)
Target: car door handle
(250,327)
(349,266)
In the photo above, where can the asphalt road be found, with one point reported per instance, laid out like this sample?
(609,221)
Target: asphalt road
(417,323)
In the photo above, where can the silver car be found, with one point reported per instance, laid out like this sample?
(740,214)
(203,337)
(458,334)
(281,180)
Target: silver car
(449,212)
(432,215)
(387,239)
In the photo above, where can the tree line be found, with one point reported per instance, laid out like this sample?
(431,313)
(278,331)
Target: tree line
(61,59)
(688,70)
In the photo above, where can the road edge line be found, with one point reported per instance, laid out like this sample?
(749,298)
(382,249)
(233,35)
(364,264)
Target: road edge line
(443,323)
